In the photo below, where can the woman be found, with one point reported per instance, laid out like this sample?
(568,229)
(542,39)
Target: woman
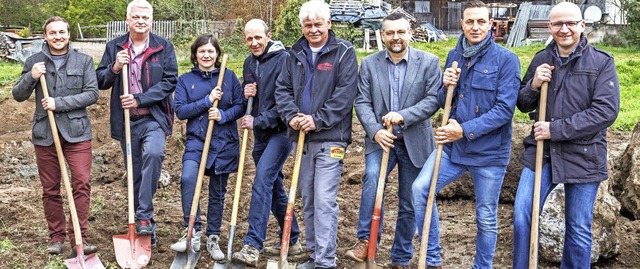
(195,94)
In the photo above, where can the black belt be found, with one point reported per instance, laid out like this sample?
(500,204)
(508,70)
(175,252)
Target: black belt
(139,117)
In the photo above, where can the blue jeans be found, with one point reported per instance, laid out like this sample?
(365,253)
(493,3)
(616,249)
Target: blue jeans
(217,190)
(402,249)
(268,193)
(487,182)
(147,153)
(578,210)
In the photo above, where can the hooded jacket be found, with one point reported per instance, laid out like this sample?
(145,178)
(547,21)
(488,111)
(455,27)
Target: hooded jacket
(264,70)
(582,101)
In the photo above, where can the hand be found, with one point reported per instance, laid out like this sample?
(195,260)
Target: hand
(449,133)
(541,130)
(392,118)
(216,94)
(38,70)
(214,114)
(48,103)
(543,74)
(295,122)
(122,58)
(250,90)
(307,123)
(128,101)
(450,76)
(247,122)
(384,139)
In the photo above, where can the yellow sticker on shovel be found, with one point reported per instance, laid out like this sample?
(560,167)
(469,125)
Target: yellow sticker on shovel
(337,152)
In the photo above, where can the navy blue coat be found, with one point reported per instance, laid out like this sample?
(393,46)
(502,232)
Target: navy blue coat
(192,104)
(583,100)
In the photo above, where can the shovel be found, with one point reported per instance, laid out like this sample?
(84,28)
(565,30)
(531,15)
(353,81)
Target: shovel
(132,250)
(189,258)
(81,261)
(535,210)
(422,262)
(236,198)
(375,218)
(288,218)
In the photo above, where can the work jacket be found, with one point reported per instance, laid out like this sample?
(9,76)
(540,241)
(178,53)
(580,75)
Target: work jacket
(264,70)
(333,88)
(73,87)
(158,80)
(193,104)
(484,100)
(582,101)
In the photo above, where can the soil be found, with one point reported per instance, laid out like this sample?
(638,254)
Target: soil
(22,219)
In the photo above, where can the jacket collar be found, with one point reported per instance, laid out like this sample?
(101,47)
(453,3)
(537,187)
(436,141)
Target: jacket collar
(272,49)
(303,45)
(577,52)
(460,49)
(123,41)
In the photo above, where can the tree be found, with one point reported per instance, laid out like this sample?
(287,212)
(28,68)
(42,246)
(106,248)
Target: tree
(632,11)
(288,24)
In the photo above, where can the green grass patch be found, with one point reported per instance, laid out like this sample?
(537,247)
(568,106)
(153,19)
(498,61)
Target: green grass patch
(6,246)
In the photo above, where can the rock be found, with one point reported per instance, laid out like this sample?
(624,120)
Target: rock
(605,240)
(629,177)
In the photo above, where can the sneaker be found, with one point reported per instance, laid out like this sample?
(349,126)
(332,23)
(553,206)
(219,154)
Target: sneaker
(86,249)
(213,248)
(247,256)
(309,264)
(143,227)
(181,245)
(294,249)
(359,251)
(55,248)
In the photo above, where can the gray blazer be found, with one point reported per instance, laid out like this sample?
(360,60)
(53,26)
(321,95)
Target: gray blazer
(73,87)
(418,101)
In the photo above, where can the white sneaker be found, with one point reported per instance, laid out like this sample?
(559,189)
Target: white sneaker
(181,245)
(213,248)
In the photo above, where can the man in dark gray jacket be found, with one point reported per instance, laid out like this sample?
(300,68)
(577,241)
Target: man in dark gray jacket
(314,94)
(72,87)
(583,100)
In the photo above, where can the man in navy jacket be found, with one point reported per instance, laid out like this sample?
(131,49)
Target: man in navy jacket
(477,137)
(583,100)
(314,94)
(152,76)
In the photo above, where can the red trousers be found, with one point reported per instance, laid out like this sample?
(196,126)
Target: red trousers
(78,156)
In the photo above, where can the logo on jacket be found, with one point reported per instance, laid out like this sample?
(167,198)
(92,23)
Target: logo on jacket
(325,67)
(336,152)
(154,60)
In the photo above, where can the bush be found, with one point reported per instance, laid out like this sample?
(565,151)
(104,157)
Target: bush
(615,41)
(287,27)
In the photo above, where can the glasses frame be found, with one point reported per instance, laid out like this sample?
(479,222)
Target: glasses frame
(557,25)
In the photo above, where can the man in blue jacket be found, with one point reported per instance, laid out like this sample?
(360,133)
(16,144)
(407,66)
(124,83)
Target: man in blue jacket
(152,76)
(271,146)
(314,94)
(583,100)
(477,137)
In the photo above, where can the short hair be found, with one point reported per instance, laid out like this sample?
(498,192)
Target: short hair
(141,4)
(54,19)
(394,17)
(314,9)
(474,4)
(261,22)
(201,41)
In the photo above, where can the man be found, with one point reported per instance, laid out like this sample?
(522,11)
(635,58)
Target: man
(152,76)
(477,137)
(72,87)
(314,94)
(397,87)
(583,100)
(271,145)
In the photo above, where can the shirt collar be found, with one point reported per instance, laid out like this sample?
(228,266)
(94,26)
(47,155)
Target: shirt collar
(405,57)
(146,45)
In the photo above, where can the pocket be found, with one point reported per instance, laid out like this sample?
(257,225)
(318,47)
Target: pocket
(580,158)
(485,77)
(78,122)
(41,129)
(74,79)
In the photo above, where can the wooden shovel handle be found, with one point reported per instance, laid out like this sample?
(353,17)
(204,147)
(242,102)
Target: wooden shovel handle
(127,134)
(424,242)
(535,208)
(288,218)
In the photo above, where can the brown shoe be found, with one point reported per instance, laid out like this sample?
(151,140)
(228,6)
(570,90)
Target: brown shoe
(359,251)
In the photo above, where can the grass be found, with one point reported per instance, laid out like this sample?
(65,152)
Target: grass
(627,63)
(6,246)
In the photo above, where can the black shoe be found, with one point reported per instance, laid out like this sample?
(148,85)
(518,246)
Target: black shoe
(86,248)
(143,227)
(55,248)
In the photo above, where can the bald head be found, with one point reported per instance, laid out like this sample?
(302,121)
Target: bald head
(256,24)
(256,36)
(566,9)
(566,27)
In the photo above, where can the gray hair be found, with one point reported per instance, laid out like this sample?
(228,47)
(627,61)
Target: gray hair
(314,9)
(140,4)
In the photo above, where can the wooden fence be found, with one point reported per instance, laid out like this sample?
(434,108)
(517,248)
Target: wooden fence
(173,29)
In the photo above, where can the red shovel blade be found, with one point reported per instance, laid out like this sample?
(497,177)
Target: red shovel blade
(90,261)
(132,251)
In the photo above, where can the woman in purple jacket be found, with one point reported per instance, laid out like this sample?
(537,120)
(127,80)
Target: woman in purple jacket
(195,93)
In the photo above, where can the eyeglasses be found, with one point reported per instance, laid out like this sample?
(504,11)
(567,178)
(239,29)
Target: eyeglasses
(400,33)
(557,25)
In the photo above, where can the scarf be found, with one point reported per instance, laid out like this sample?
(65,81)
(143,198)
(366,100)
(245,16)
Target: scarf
(471,51)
